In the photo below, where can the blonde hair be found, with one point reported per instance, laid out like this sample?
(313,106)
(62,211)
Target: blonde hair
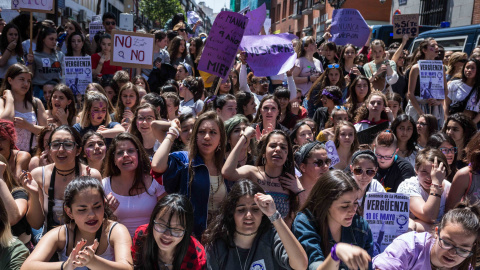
(6,236)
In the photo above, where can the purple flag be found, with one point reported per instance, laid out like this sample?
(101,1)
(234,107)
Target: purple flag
(256,18)
(348,26)
(222,43)
(269,55)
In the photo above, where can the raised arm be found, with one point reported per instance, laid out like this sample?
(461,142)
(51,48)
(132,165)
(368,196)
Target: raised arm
(160,159)
(110,132)
(160,128)
(242,76)
(399,51)
(291,84)
(230,170)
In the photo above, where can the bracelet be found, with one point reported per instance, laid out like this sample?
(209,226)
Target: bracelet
(61,267)
(296,194)
(436,195)
(173,134)
(174,131)
(333,253)
(437,186)
(275,216)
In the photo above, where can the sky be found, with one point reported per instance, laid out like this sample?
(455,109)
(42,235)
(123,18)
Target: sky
(216,5)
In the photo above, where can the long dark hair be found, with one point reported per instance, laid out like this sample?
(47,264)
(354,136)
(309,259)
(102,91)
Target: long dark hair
(223,226)
(411,143)
(258,117)
(469,127)
(174,46)
(243,98)
(4,40)
(352,102)
(69,44)
(436,140)
(146,256)
(476,86)
(12,72)
(329,187)
(64,89)
(44,32)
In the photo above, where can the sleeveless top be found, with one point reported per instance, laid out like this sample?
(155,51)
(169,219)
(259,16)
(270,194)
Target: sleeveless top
(57,207)
(23,135)
(473,191)
(109,253)
(282,202)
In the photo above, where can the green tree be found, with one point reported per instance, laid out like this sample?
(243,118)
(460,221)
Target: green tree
(161,10)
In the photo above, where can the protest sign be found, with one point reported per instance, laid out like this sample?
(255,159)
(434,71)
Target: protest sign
(222,43)
(78,73)
(332,153)
(405,24)
(431,79)
(267,25)
(387,215)
(269,55)
(96,18)
(43,6)
(95,26)
(131,49)
(348,26)
(473,104)
(192,17)
(256,18)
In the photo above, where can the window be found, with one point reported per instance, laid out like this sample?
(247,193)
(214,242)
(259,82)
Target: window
(284,10)
(433,12)
(290,8)
(278,13)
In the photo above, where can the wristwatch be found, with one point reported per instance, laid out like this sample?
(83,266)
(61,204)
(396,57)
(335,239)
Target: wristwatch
(275,216)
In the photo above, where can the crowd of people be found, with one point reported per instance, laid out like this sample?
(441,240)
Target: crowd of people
(174,168)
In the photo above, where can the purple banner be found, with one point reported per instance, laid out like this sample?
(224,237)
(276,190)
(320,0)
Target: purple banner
(222,43)
(256,18)
(269,55)
(348,26)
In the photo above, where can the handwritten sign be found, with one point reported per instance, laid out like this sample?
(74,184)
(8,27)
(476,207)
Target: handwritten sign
(332,153)
(132,49)
(269,55)
(78,73)
(192,17)
(348,26)
(95,27)
(222,43)
(387,216)
(256,18)
(405,24)
(431,79)
(43,6)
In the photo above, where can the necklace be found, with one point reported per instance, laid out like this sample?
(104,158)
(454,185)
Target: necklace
(246,234)
(271,177)
(240,261)
(65,173)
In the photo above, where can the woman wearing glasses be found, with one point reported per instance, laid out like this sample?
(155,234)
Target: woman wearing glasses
(135,192)
(466,182)
(428,190)
(448,147)
(392,169)
(166,242)
(453,245)
(381,72)
(191,90)
(64,149)
(312,161)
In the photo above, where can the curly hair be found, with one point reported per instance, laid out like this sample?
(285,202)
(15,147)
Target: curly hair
(363,110)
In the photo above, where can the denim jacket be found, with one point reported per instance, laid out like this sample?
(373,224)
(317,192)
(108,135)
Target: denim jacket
(176,180)
(306,231)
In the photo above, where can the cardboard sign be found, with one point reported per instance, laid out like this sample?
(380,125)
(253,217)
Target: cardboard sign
(222,43)
(78,73)
(256,19)
(348,26)
(131,49)
(43,6)
(269,55)
(387,215)
(431,79)
(405,24)
(95,27)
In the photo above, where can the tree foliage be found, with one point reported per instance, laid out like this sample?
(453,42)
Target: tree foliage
(161,10)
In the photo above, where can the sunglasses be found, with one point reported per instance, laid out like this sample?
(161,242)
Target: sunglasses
(263,82)
(333,66)
(452,150)
(181,30)
(360,171)
(320,163)
(110,23)
(341,108)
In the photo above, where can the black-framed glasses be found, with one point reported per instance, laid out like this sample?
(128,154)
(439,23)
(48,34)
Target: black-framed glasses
(384,157)
(445,150)
(163,228)
(333,66)
(423,124)
(110,23)
(67,145)
(360,171)
(320,163)
(448,246)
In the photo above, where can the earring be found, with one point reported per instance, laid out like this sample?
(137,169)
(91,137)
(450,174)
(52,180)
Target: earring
(218,148)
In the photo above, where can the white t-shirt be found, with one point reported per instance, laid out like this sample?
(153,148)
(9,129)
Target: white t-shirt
(458,91)
(308,68)
(134,211)
(191,107)
(412,186)
(375,186)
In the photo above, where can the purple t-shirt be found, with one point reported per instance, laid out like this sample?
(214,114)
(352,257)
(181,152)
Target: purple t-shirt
(408,251)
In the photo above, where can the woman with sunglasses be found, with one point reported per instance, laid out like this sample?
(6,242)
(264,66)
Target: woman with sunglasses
(453,244)
(312,161)
(364,166)
(466,182)
(307,68)
(428,190)
(381,71)
(64,149)
(392,169)
(448,147)
(191,90)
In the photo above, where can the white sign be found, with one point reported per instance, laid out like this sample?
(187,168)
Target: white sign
(78,73)
(192,17)
(97,18)
(125,22)
(34,5)
(95,26)
(132,49)
(431,79)
(332,153)
(387,214)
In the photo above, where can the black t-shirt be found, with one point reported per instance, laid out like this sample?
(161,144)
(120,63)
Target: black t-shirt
(392,177)
(22,226)
(321,117)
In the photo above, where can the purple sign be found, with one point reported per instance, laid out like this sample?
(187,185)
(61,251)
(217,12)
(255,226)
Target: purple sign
(348,26)
(269,55)
(256,18)
(222,43)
